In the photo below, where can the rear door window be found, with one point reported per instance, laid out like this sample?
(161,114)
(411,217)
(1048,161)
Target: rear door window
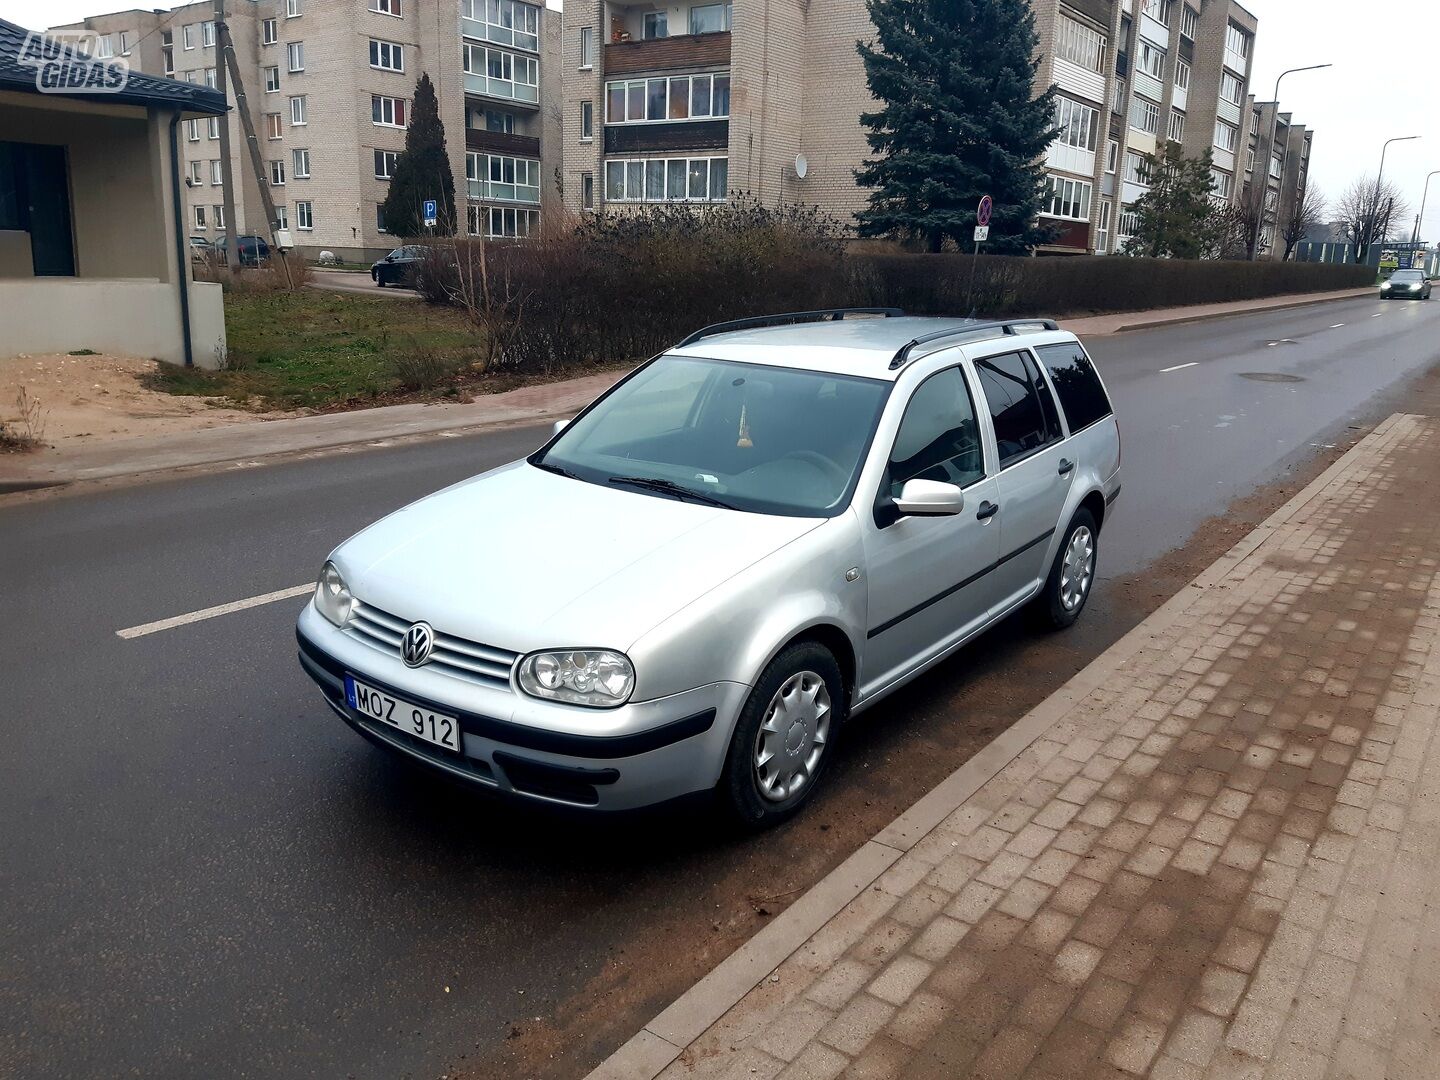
(1020,405)
(1076,382)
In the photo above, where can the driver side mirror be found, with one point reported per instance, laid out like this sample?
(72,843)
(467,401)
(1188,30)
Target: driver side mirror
(929,498)
(561,425)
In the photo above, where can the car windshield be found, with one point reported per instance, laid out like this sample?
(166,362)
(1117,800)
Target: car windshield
(769,440)
(1407,276)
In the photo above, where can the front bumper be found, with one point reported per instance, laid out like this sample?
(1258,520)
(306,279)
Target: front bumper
(599,759)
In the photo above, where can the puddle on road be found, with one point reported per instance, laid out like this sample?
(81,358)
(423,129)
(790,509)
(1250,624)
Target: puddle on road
(1271,376)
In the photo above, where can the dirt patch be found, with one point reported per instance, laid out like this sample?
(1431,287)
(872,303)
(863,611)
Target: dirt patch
(83,398)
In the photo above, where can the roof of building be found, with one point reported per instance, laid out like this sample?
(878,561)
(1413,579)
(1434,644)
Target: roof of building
(862,347)
(148,90)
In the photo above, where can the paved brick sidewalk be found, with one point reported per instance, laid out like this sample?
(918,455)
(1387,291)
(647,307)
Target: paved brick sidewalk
(1216,853)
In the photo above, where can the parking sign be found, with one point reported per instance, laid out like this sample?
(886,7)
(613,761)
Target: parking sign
(430,214)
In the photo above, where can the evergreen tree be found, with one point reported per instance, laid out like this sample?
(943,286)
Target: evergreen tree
(1177,218)
(422,171)
(957,120)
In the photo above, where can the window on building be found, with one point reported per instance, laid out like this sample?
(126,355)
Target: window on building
(272,80)
(1225,135)
(1129,225)
(1175,129)
(1275,166)
(1237,40)
(124,43)
(500,73)
(300,164)
(1021,408)
(655,25)
(207,34)
(195,169)
(1076,42)
(269,32)
(587,47)
(1224,183)
(587,191)
(192,77)
(295,53)
(505,22)
(1136,171)
(211,77)
(304,216)
(167,56)
(666,180)
(1144,115)
(219,209)
(273,128)
(1112,156)
(386,7)
(214,128)
(1077,123)
(677,97)
(499,176)
(1150,59)
(387,55)
(380,218)
(587,120)
(282,217)
(1182,75)
(277,173)
(187,36)
(1159,10)
(385,164)
(1250,160)
(1118,102)
(200,218)
(387,111)
(293,9)
(1068,199)
(192,130)
(217,174)
(1232,88)
(1102,231)
(1189,22)
(298,111)
(506,222)
(709,18)
(497,120)
(103,48)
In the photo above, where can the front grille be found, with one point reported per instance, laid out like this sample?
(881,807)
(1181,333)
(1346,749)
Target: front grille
(455,656)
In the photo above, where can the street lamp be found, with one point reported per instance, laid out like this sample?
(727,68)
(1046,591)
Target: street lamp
(1270,150)
(1380,176)
(1420,221)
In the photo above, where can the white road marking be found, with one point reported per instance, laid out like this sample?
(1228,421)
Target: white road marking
(212,612)
(1377,315)
(1337,326)
(1179,367)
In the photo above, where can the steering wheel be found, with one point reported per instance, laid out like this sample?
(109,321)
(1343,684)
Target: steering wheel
(822,464)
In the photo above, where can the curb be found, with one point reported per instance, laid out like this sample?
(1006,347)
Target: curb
(661,1041)
(11,487)
(1160,323)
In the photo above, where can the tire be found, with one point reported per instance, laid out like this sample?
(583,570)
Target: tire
(1058,604)
(756,797)
(379,282)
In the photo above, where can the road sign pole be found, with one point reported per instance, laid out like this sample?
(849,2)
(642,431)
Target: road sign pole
(982,233)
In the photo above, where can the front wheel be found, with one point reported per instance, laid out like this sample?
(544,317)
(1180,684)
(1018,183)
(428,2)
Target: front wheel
(783,739)
(1072,575)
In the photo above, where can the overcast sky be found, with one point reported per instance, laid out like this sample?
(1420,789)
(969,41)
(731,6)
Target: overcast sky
(1377,88)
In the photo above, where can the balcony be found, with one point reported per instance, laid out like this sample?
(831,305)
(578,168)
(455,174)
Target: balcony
(664,138)
(503,89)
(502,142)
(518,25)
(688,52)
(1155,31)
(1082,82)
(1239,63)
(1228,111)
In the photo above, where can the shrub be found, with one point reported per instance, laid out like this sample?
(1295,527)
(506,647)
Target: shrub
(421,367)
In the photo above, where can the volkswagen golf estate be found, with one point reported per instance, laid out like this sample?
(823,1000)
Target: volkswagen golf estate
(746,541)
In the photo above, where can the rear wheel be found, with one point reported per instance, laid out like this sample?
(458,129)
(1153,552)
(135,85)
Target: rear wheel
(1072,574)
(783,739)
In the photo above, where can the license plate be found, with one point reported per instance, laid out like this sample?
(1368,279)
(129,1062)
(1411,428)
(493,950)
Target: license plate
(403,715)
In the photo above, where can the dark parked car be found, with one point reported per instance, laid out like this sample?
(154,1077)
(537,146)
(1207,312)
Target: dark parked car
(1410,284)
(399,267)
(253,250)
(200,249)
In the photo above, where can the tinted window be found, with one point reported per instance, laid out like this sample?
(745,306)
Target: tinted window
(1021,424)
(938,439)
(1407,275)
(1081,395)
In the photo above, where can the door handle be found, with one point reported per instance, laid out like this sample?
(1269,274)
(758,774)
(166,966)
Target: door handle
(1066,466)
(987,510)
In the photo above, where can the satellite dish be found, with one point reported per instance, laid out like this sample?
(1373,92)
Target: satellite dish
(801,166)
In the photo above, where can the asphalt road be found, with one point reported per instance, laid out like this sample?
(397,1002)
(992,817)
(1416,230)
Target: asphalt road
(203,873)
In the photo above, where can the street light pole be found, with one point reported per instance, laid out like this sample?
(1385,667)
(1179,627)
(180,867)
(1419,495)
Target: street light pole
(1379,181)
(1269,152)
(1420,221)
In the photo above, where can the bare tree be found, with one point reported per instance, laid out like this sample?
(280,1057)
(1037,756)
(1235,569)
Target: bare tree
(1368,211)
(1307,212)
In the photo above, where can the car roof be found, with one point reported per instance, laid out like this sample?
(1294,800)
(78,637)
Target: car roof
(862,347)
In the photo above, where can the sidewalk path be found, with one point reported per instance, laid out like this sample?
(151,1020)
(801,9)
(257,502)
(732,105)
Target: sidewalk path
(1212,854)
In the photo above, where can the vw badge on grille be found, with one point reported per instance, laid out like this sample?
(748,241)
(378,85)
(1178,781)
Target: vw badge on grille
(416,645)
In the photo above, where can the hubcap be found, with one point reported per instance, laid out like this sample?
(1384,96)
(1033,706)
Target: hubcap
(792,737)
(1077,568)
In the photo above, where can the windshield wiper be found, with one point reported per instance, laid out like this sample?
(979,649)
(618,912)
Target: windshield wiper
(669,487)
(556,469)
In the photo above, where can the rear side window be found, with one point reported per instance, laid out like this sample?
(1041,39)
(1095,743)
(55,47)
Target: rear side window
(1081,395)
(1020,408)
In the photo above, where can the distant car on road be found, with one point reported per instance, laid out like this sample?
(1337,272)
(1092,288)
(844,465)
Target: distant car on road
(1407,285)
(253,250)
(693,584)
(399,267)
(200,249)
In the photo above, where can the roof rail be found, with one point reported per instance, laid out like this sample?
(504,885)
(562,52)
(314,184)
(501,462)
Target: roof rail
(785,319)
(1004,326)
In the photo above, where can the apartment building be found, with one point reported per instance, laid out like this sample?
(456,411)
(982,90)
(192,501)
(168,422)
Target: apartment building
(1277,161)
(330,84)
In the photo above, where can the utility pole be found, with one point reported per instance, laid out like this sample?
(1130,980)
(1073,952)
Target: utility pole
(228,61)
(227,174)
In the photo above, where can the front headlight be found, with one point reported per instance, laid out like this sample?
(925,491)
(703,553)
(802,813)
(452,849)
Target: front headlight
(1384,286)
(332,597)
(595,677)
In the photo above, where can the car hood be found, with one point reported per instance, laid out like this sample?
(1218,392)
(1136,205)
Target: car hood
(523,559)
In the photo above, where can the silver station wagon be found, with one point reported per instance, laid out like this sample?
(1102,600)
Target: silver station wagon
(747,540)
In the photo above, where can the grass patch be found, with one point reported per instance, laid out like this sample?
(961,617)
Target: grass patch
(315,349)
